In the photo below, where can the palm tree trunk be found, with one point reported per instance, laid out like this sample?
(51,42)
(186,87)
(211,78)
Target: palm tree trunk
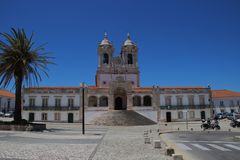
(18,99)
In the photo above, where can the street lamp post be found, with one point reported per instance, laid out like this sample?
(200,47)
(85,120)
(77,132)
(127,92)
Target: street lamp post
(186,111)
(187,120)
(83,114)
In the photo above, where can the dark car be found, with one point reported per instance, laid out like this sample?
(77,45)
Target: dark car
(219,116)
(1,114)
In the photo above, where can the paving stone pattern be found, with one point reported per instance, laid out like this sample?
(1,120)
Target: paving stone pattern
(128,143)
(65,142)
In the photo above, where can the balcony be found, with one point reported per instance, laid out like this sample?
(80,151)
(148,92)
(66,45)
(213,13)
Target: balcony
(50,108)
(184,107)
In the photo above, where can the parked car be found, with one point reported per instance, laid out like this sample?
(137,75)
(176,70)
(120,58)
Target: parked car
(8,114)
(1,114)
(219,116)
(229,116)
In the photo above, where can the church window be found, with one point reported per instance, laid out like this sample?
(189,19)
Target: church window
(92,101)
(132,82)
(105,58)
(103,101)
(136,101)
(104,82)
(130,59)
(147,101)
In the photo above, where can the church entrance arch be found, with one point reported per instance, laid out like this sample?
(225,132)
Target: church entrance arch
(120,99)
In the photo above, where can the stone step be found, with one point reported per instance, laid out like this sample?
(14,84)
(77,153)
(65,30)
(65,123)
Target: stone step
(122,118)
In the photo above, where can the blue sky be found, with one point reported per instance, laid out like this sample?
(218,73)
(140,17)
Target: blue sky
(181,42)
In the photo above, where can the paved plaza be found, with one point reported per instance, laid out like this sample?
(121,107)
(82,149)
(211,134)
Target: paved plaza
(65,141)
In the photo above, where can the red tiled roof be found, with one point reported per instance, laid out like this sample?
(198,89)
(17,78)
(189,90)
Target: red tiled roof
(53,87)
(182,87)
(224,93)
(6,93)
(143,89)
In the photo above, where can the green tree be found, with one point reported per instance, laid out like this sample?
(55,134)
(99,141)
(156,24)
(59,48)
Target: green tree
(21,63)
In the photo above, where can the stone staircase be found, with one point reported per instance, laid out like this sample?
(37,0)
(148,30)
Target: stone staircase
(122,118)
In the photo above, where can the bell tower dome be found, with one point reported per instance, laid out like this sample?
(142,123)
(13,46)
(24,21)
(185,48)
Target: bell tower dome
(130,53)
(105,52)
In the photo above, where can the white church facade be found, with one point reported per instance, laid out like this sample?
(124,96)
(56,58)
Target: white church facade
(117,88)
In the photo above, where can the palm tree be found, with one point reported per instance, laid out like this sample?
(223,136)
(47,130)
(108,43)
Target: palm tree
(21,63)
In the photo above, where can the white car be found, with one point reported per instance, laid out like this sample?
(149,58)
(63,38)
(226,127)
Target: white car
(8,114)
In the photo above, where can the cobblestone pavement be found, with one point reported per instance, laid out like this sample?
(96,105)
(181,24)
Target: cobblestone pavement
(60,141)
(128,143)
(65,141)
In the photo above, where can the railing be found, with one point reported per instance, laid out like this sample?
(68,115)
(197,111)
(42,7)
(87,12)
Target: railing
(185,107)
(49,108)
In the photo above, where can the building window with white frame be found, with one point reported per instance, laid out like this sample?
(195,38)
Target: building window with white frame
(191,114)
(57,116)
(32,102)
(238,102)
(58,102)
(44,116)
(201,100)
(168,101)
(45,102)
(179,101)
(221,103)
(180,115)
(8,104)
(191,100)
(231,103)
(70,102)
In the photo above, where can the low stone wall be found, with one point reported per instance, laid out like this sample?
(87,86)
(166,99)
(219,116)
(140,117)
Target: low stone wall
(28,127)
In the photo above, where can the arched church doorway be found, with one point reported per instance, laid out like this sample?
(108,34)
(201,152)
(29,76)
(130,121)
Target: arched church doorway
(118,103)
(120,99)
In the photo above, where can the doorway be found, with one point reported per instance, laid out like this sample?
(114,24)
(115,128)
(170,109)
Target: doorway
(168,116)
(31,117)
(70,117)
(118,103)
(120,99)
(203,116)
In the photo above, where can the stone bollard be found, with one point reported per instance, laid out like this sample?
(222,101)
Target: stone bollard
(178,129)
(177,157)
(147,140)
(191,129)
(169,151)
(229,130)
(157,143)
